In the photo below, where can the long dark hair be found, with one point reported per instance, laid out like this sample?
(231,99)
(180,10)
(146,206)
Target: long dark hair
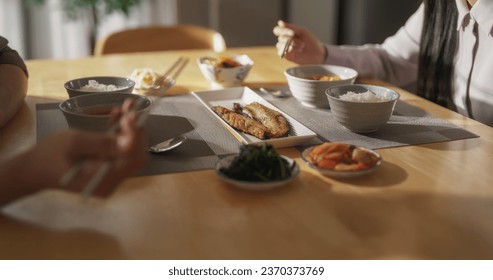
(438,45)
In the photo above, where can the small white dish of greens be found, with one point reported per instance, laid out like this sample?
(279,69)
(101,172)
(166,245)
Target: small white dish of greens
(257,167)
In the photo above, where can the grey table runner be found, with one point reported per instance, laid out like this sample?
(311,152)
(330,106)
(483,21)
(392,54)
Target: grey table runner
(175,115)
(409,125)
(208,140)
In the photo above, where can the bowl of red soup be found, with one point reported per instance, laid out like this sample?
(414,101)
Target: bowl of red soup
(92,111)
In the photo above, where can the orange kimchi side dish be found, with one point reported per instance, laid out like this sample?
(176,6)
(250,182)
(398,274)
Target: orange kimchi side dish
(343,157)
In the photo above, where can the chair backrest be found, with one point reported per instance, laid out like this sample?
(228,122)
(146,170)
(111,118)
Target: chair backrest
(158,38)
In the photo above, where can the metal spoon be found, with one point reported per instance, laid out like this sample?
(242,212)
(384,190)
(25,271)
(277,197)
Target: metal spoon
(167,145)
(275,92)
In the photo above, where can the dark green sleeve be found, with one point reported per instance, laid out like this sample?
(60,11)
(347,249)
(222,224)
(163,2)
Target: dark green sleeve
(10,56)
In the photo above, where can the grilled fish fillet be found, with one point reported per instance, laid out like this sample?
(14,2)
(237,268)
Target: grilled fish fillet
(242,123)
(276,123)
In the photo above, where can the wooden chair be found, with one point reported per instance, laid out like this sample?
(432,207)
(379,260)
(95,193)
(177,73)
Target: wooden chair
(158,38)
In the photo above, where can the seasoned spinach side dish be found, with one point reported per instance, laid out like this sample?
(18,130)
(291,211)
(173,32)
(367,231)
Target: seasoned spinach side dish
(258,164)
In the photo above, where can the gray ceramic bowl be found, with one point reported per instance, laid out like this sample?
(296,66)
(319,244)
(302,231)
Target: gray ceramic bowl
(362,116)
(91,111)
(98,84)
(311,92)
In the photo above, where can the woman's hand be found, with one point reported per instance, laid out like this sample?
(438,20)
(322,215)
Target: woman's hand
(305,47)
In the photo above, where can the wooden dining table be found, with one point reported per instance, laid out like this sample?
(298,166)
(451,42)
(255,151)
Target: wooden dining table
(427,201)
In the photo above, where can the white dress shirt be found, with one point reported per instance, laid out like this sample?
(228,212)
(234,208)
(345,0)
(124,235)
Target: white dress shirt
(396,59)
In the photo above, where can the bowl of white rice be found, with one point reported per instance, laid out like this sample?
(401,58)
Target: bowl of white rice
(99,84)
(361,108)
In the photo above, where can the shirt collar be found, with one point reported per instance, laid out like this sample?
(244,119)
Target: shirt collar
(481,13)
(463,12)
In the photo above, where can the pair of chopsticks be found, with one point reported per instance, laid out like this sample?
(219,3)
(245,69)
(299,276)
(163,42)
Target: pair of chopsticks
(286,46)
(177,67)
(171,74)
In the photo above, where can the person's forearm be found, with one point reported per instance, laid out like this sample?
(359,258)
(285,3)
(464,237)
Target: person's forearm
(12,183)
(13,89)
(9,107)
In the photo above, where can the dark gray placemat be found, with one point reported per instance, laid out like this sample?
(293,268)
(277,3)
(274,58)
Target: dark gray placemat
(409,125)
(208,139)
(173,116)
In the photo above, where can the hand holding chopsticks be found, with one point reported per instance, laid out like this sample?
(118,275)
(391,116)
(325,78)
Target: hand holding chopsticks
(298,45)
(168,80)
(285,37)
(122,151)
(287,45)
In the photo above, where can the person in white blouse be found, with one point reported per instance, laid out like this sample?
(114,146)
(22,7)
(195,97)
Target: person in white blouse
(443,51)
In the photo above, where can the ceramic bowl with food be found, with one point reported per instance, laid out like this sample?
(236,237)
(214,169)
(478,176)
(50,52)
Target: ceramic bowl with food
(92,111)
(362,108)
(150,82)
(341,160)
(308,83)
(87,85)
(225,71)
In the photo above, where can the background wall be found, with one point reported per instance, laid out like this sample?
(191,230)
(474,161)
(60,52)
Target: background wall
(319,16)
(371,21)
(11,24)
(246,23)
(46,33)
(242,23)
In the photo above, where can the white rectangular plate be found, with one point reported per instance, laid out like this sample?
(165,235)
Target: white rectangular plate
(298,133)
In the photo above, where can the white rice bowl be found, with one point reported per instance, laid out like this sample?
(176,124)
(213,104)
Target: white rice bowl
(361,108)
(103,84)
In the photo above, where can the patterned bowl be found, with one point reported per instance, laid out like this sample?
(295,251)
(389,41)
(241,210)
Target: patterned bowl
(220,76)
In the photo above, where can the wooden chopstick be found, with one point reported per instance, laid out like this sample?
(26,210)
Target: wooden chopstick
(286,47)
(103,171)
(106,167)
(76,168)
(181,62)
